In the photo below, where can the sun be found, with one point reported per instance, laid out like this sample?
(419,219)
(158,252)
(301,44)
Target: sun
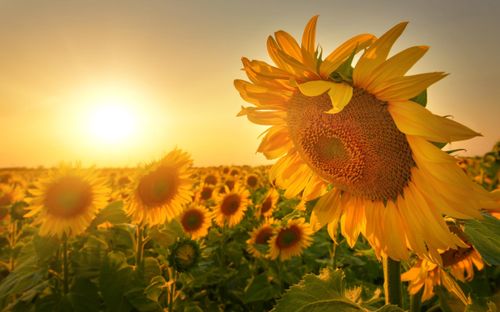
(111,119)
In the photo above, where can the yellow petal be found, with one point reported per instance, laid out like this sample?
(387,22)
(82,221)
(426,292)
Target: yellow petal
(396,244)
(309,42)
(340,54)
(407,87)
(395,66)
(340,95)
(263,117)
(414,119)
(453,287)
(315,87)
(328,208)
(273,50)
(376,55)
(276,142)
(298,181)
(288,44)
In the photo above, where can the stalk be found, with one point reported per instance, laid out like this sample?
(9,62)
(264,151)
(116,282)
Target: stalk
(65,264)
(392,283)
(416,301)
(139,252)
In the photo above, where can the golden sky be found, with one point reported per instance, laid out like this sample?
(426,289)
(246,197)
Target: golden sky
(172,64)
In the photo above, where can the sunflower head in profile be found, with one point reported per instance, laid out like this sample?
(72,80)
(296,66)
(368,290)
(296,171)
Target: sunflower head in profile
(290,240)
(265,209)
(195,221)
(258,243)
(231,206)
(160,191)
(365,131)
(66,201)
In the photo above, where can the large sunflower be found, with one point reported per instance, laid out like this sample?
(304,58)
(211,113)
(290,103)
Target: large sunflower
(67,200)
(159,193)
(361,130)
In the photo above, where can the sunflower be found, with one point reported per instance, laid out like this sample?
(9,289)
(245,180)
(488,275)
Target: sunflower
(252,181)
(10,194)
(205,192)
(290,240)
(269,202)
(231,206)
(67,200)
(361,130)
(195,221)
(427,274)
(160,192)
(259,239)
(211,178)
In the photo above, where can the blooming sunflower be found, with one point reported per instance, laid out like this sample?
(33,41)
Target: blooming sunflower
(269,202)
(67,200)
(427,274)
(195,221)
(361,130)
(290,240)
(252,181)
(231,206)
(160,192)
(260,237)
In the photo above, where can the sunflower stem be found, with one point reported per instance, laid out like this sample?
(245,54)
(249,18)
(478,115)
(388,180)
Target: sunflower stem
(392,283)
(65,265)
(139,252)
(416,301)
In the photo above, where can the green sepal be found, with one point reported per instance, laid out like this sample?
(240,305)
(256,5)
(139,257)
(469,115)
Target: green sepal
(421,98)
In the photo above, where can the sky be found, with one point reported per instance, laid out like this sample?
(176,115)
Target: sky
(172,64)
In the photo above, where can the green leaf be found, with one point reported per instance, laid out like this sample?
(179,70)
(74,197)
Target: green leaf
(114,281)
(259,289)
(324,292)
(45,248)
(421,98)
(485,235)
(112,213)
(84,296)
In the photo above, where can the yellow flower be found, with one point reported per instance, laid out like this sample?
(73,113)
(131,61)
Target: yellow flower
(260,236)
(252,181)
(211,179)
(159,193)
(427,274)
(67,200)
(195,221)
(10,194)
(231,206)
(290,240)
(269,202)
(364,135)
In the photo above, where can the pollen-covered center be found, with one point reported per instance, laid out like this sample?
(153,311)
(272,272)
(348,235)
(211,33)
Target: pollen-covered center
(359,150)
(158,187)
(192,220)
(68,197)
(230,204)
(264,235)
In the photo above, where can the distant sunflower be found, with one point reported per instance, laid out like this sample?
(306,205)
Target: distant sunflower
(361,130)
(290,240)
(268,203)
(205,192)
(211,179)
(231,206)
(10,194)
(259,239)
(195,221)
(159,193)
(252,181)
(67,200)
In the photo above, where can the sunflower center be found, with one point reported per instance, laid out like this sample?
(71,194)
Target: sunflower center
(252,181)
(359,150)
(453,256)
(211,179)
(206,193)
(192,220)
(267,204)
(230,204)
(68,197)
(264,235)
(288,237)
(158,187)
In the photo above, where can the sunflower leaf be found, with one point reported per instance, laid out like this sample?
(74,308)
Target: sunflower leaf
(324,292)
(421,98)
(485,235)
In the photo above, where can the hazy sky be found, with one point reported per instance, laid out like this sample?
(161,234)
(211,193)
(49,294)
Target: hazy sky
(174,63)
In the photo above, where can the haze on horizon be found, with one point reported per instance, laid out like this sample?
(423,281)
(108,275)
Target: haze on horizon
(172,63)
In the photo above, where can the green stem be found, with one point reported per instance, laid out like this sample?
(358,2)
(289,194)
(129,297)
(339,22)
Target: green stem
(416,301)
(443,304)
(392,284)
(334,255)
(65,264)
(139,251)
(173,278)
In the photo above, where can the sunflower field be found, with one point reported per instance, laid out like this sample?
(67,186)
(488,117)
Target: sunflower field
(363,209)
(238,245)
